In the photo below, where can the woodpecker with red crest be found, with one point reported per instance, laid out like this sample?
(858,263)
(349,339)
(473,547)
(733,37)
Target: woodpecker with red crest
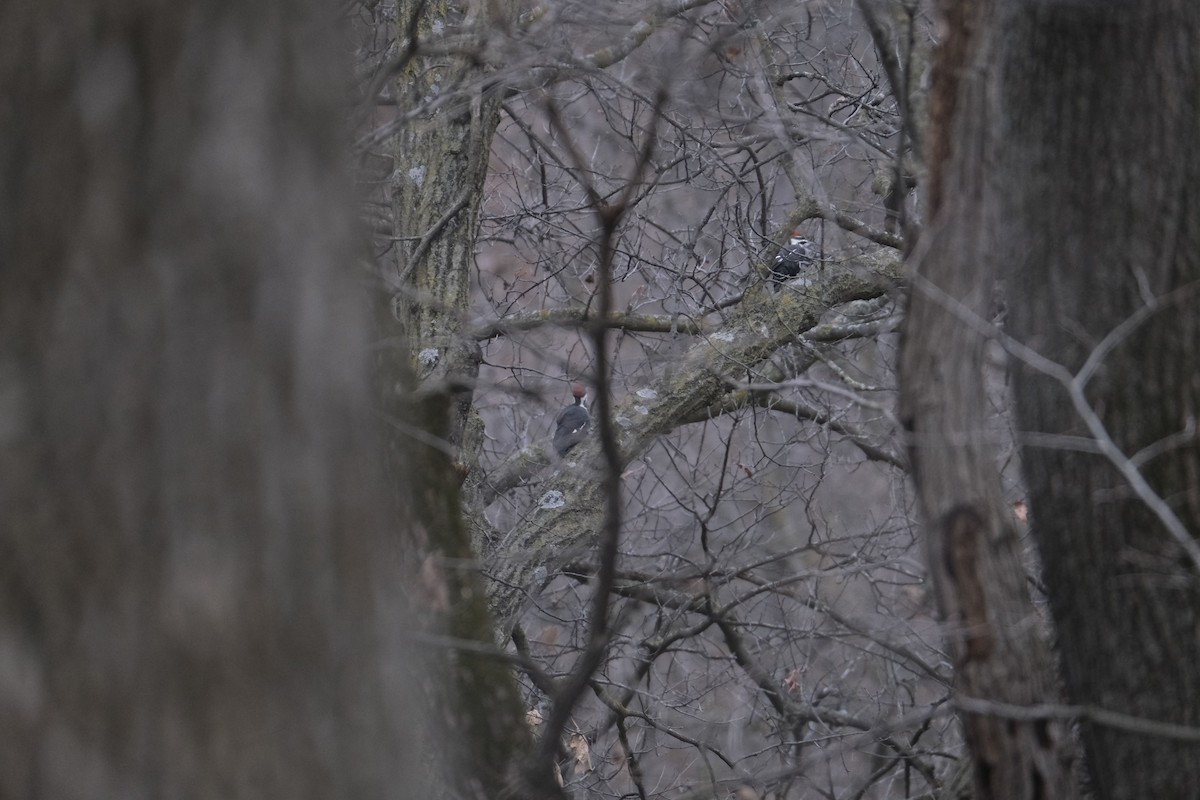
(797,256)
(571,424)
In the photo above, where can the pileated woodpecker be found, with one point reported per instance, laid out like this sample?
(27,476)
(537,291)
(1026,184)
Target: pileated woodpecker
(798,255)
(571,424)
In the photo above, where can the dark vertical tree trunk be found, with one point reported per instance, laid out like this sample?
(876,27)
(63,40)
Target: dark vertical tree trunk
(972,543)
(199,577)
(436,191)
(441,161)
(1099,222)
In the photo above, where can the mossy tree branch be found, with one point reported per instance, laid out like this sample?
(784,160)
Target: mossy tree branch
(570,510)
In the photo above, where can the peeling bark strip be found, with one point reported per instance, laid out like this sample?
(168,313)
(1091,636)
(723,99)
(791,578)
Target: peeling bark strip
(963,530)
(960,21)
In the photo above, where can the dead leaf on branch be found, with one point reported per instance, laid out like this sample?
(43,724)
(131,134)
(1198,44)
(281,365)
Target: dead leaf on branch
(581,755)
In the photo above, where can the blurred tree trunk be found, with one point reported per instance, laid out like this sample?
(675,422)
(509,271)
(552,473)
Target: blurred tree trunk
(199,575)
(974,551)
(1082,189)
(1096,187)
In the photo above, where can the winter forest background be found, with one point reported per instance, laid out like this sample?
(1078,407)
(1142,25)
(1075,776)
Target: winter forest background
(291,293)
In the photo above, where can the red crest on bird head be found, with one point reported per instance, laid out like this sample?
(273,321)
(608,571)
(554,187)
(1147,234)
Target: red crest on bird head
(578,390)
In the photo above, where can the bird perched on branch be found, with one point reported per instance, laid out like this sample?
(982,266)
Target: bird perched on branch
(571,424)
(798,255)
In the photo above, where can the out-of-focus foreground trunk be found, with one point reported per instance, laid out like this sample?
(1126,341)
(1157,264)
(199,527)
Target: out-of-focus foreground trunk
(199,576)
(1096,189)
(1075,172)
(993,631)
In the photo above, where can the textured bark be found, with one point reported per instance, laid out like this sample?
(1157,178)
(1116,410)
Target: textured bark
(973,548)
(473,698)
(1096,186)
(440,162)
(199,579)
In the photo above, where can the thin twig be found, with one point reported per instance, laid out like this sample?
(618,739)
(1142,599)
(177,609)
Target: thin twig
(598,635)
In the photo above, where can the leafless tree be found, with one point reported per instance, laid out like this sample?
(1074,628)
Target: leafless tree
(1083,218)
(234,565)
(623,177)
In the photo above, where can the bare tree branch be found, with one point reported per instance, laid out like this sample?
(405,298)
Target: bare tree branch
(567,515)
(582,318)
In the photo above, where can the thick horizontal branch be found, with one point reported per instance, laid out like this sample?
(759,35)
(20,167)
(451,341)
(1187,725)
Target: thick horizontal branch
(483,489)
(569,511)
(799,358)
(854,225)
(581,318)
